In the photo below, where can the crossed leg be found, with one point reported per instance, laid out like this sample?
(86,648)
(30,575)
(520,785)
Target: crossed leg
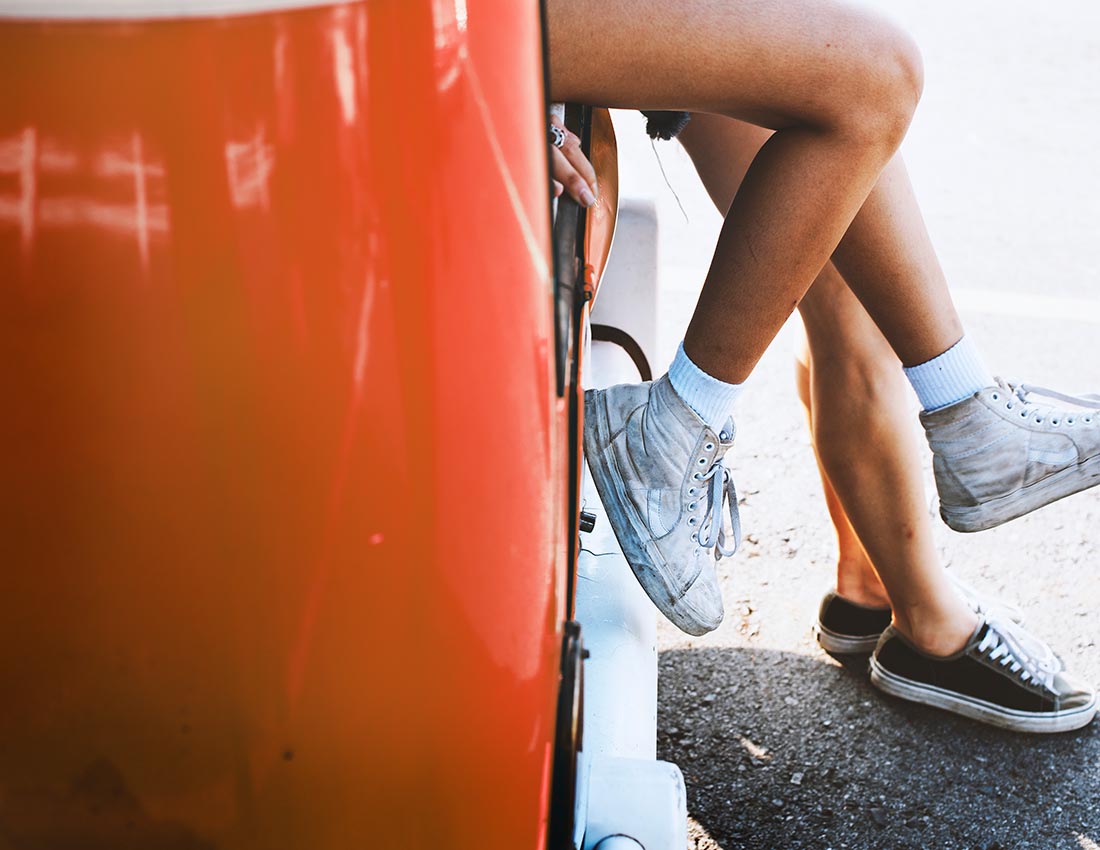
(837,85)
(858,404)
(838,88)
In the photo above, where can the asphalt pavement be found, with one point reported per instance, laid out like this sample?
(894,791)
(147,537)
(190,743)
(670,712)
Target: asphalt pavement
(781,745)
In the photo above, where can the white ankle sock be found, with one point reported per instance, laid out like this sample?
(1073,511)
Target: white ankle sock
(956,374)
(712,399)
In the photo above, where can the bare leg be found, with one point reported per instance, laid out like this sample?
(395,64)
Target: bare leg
(865,443)
(862,430)
(856,579)
(837,85)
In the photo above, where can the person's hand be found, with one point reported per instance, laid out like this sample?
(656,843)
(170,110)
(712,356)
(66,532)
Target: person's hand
(570,168)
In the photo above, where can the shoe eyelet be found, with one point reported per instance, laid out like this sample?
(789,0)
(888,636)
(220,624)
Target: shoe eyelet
(692,505)
(996,397)
(1039,419)
(691,491)
(691,521)
(1023,414)
(696,476)
(1054,422)
(709,447)
(702,461)
(696,552)
(1009,405)
(694,535)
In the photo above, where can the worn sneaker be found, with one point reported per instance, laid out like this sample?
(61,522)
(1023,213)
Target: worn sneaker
(658,469)
(1004,676)
(999,454)
(844,627)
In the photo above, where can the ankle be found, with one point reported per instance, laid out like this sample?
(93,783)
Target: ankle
(940,635)
(862,588)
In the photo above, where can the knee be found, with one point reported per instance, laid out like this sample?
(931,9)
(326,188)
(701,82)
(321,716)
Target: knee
(886,85)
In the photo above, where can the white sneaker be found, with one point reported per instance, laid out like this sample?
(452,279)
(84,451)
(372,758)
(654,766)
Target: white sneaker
(658,469)
(999,455)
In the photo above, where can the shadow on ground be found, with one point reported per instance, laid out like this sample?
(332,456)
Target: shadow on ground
(782,750)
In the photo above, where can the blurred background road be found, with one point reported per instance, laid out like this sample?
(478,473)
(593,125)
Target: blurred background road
(783,747)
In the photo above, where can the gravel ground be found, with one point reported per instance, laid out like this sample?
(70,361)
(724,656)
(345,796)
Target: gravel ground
(781,745)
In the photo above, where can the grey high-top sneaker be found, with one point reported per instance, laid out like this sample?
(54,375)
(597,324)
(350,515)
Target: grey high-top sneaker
(999,454)
(658,468)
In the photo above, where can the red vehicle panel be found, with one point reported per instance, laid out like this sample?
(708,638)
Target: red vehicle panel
(283,501)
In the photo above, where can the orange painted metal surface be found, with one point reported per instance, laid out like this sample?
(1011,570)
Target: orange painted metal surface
(600,224)
(282,469)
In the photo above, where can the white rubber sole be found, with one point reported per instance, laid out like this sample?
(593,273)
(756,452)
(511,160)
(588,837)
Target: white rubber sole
(839,644)
(1039,494)
(976,709)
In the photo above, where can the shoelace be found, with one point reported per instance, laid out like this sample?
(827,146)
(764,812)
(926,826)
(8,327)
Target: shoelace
(721,490)
(1019,652)
(1024,392)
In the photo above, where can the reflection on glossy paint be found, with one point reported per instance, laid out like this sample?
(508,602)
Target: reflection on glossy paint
(28,205)
(53,159)
(344,73)
(249,165)
(17,158)
(280,77)
(113,164)
(449,25)
(361,346)
(531,240)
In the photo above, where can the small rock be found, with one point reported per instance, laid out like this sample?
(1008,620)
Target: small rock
(878,816)
(796,778)
(777,803)
(790,700)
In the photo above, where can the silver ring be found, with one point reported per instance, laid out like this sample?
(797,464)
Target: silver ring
(557,136)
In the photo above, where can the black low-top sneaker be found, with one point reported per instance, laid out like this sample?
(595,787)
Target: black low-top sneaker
(848,628)
(1004,676)
(844,627)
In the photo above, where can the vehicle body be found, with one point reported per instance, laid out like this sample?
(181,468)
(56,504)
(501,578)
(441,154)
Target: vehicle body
(290,479)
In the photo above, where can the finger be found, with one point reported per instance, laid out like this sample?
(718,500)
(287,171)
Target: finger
(575,154)
(564,172)
(558,188)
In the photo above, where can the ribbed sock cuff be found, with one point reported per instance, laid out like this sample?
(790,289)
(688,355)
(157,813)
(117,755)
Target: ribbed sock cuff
(956,374)
(712,399)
